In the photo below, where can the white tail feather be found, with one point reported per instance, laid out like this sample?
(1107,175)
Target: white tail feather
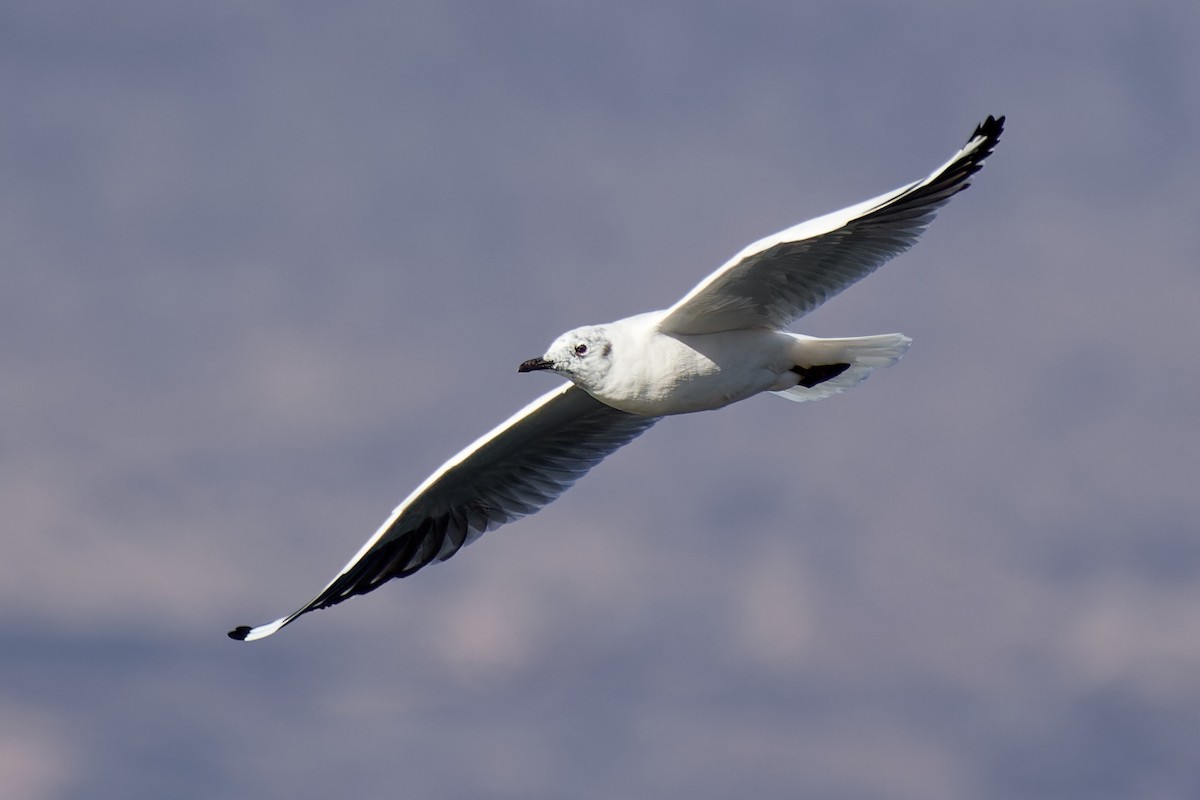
(862,353)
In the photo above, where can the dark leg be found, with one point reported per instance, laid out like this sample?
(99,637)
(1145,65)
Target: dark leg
(811,376)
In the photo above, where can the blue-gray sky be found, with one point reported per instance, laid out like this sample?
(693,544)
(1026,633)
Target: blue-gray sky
(265,266)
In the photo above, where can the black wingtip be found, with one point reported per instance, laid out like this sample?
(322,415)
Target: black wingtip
(240,633)
(990,129)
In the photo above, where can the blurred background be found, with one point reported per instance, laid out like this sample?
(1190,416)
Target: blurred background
(268,265)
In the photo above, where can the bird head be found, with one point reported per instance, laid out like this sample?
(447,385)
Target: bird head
(584,355)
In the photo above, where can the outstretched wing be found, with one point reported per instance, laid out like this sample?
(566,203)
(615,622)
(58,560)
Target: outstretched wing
(777,279)
(523,464)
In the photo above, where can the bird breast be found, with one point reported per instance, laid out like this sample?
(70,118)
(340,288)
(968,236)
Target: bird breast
(660,374)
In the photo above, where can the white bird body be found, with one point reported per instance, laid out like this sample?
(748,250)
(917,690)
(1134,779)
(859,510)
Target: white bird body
(723,342)
(679,374)
(640,369)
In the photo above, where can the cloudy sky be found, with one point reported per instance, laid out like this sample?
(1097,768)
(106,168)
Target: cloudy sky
(265,266)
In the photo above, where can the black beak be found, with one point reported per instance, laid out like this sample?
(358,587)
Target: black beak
(535,363)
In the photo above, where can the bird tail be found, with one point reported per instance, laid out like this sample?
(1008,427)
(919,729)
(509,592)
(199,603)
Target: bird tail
(856,357)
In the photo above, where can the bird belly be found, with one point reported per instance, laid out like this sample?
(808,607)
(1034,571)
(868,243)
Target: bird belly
(682,374)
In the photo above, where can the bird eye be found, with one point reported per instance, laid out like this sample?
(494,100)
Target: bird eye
(581,349)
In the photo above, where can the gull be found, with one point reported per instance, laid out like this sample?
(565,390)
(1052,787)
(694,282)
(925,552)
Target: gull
(723,342)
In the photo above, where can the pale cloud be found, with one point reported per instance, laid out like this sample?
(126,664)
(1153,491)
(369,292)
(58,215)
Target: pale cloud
(37,759)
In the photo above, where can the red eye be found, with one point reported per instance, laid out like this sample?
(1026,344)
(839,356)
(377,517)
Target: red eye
(581,349)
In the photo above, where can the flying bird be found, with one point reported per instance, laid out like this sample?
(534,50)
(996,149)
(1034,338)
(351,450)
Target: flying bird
(723,342)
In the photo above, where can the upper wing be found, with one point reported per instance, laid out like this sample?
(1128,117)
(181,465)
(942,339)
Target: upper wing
(523,464)
(782,277)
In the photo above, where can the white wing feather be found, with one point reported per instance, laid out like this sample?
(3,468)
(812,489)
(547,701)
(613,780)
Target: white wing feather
(777,279)
(515,469)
